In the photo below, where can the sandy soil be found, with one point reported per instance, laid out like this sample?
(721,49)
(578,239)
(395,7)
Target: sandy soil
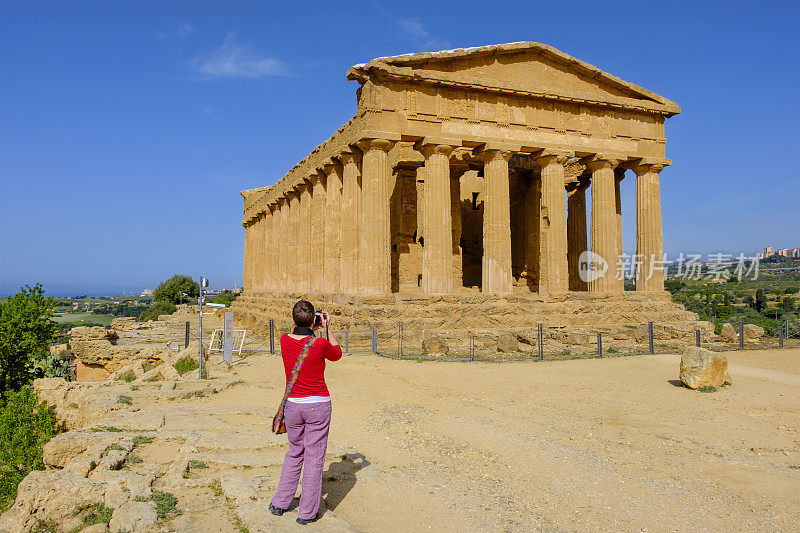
(612,444)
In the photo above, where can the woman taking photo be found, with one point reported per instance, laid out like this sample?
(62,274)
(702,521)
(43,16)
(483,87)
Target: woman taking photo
(307,411)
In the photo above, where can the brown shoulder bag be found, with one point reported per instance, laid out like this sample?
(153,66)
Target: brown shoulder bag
(279,422)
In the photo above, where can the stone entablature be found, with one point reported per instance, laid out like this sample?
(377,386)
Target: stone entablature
(518,132)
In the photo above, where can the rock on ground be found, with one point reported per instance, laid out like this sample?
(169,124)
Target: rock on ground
(703,368)
(133,516)
(728,332)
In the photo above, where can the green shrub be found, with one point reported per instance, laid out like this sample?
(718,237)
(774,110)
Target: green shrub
(185,364)
(158,308)
(225,297)
(26,332)
(170,291)
(124,400)
(98,514)
(25,427)
(127,376)
(166,504)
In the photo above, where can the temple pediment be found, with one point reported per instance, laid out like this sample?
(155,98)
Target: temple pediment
(524,68)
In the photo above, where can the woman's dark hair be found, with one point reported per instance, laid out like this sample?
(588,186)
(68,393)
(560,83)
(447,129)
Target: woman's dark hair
(303,314)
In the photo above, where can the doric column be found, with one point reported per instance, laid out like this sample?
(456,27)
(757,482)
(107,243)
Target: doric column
(257,252)
(282,245)
(437,267)
(274,273)
(317,237)
(293,215)
(604,227)
(533,202)
(576,232)
(333,225)
(553,274)
(375,241)
(351,220)
(266,252)
(496,265)
(248,257)
(619,175)
(303,234)
(649,246)
(456,172)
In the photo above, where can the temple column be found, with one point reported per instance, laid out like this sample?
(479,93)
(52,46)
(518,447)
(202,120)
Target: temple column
(533,201)
(281,245)
(619,175)
(351,220)
(553,274)
(266,251)
(437,262)
(604,228)
(317,237)
(375,240)
(333,226)
(496,265)
(273,249)
(248,257)
(257,255)
(293,202)
(303,234)
(649,246)
(576,232)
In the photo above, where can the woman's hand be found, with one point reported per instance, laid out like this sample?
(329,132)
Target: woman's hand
(325,319)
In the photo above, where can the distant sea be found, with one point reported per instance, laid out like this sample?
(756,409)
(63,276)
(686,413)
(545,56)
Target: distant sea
(64,290)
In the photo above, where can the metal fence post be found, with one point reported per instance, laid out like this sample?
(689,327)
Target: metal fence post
(374,341)
(471,347)
(650,337)
(540,341)
(347,341)
(271,336)
(186,339)
(697,337)
(780,337)
(400,339)
(600,344)
(786,328)
(741,333)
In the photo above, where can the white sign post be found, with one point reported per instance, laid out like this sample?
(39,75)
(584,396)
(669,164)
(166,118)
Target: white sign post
(227,353)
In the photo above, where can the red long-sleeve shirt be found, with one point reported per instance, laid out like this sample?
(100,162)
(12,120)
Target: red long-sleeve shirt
(311,381)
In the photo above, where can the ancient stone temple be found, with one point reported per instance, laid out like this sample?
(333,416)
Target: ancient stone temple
(464,172)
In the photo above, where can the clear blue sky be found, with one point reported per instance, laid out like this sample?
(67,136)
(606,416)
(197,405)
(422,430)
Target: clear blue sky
(129,128)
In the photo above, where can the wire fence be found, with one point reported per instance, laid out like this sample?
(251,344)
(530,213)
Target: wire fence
(544,342)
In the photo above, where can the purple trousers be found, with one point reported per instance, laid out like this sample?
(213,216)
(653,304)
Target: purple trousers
(307,428)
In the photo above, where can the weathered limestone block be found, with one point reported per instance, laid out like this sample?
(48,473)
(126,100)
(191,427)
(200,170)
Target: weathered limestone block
(434,345)
(48,495)
(124,323)
(507,343)
(133,516)
(728,333)
(703,368)
(62,448)
(753,332)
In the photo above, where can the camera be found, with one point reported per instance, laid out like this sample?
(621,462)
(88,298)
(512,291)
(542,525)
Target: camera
(318,318)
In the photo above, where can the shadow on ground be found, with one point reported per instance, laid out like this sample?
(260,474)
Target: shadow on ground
(340,478)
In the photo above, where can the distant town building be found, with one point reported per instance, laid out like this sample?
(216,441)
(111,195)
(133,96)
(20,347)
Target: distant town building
(769,251)
(147,292)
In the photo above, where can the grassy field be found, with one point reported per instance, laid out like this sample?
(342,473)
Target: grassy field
(88,319)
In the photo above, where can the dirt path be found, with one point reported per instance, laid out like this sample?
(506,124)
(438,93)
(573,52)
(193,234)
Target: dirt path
(600,445)
(589,444)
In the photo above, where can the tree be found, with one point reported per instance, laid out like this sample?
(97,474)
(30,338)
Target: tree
(157,309)
(25,427)
(760,301)
(787,304)
(171,289)
(25,334)
(225,297)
